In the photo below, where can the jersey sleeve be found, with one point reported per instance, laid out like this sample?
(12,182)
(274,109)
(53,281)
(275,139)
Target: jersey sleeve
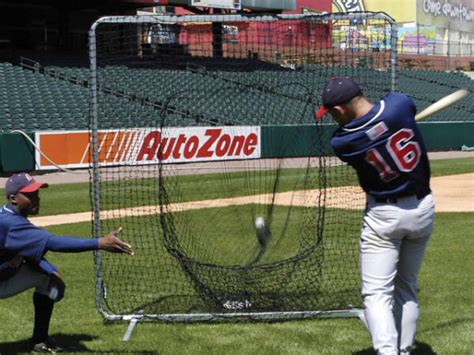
(401,111)
(71,244)
(339,145)
(47,267)
(27,240)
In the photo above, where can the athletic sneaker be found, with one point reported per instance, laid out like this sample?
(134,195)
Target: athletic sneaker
(49,346)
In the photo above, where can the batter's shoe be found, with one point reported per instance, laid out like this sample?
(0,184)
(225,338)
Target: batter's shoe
(48,346)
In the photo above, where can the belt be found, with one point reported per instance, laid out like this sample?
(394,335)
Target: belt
(418,196)
(386,199)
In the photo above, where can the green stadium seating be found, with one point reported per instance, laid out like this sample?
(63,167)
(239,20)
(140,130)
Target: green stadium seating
(40,101)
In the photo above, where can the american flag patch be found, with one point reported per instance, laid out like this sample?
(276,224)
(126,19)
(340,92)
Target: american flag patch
(376,131)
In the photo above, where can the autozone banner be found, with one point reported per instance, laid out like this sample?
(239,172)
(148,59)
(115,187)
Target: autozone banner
(71,149)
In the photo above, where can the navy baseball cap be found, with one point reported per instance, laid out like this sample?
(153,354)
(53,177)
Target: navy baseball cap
(338,90)
(22,182)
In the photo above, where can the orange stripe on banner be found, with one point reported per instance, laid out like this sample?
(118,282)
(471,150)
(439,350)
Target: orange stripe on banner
(105,140)
(76,144)
(111,149)
(86,155)
(123,144)
(116,146)
(131,146)
(63,149)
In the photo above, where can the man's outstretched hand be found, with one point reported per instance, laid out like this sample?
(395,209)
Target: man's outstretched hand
(113,244)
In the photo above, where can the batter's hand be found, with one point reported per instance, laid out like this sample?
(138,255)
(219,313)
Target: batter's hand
(113,244)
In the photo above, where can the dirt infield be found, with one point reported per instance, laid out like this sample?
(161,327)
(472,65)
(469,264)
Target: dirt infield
(208,167)
(453,193)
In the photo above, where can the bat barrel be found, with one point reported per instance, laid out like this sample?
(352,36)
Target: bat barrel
(442,103)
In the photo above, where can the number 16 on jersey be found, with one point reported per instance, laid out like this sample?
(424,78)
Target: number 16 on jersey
(404,152)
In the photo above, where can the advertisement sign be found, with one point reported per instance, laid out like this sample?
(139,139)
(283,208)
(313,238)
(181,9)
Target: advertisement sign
(403,11)
(369,38)
(453,14)
(349,5)
(71,149)
(221,4)
(416,40)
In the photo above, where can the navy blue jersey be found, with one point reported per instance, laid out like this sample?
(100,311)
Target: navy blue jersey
(386,149)
(19,237)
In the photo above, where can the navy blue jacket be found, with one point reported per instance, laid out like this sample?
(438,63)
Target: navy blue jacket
(19,237)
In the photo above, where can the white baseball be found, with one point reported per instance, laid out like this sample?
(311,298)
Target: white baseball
(259,223)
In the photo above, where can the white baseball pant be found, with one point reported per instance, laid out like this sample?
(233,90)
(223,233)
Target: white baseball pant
(393,241)
(28,277)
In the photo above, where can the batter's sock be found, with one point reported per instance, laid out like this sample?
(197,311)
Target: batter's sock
(43,310)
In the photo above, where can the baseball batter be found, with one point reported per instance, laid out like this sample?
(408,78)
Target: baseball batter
(383,144)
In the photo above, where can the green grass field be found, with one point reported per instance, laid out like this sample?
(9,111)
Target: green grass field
(446,295)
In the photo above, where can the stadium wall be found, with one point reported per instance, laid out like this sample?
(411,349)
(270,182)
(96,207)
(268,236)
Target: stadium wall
(17,154)
(437,135)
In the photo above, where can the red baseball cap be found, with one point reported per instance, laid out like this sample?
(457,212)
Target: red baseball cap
(338,90)
(22,182)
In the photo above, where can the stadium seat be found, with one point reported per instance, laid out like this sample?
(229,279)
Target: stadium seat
(33,100)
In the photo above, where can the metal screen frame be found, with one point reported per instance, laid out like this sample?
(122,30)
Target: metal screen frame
(95,175)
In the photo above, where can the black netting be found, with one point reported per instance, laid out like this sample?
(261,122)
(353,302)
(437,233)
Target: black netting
(202,128)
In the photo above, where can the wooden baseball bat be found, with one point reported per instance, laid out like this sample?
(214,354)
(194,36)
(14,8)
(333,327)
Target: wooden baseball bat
(442,103)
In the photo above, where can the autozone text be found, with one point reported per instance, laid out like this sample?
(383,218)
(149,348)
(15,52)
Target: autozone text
(215,144)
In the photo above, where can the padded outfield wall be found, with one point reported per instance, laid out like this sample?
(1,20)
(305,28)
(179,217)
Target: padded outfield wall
(17,154)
